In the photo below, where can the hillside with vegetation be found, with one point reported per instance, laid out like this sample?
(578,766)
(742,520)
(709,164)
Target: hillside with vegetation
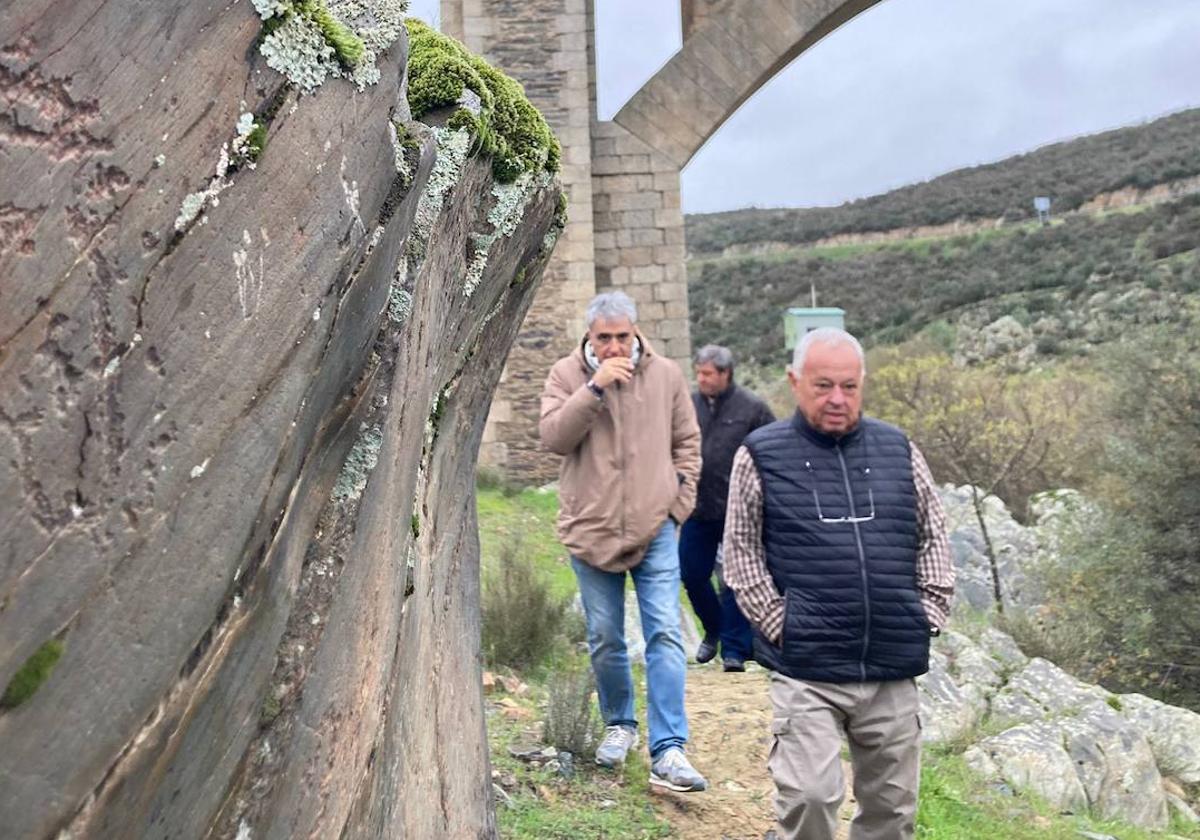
(1070,173)
(1084,280)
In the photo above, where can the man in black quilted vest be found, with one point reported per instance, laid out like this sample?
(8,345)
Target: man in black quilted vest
(836,547)
(727,413)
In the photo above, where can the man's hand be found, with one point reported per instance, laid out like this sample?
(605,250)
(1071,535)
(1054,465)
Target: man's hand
(615,369)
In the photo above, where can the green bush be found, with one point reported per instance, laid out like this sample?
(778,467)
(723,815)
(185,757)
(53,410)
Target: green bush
(1132,586)
(523,621)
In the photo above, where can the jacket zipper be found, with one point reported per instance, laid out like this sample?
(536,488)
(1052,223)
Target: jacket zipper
(620,457)
(862,567)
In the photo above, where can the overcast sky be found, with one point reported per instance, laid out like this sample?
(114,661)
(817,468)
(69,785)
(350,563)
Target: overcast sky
(914,88)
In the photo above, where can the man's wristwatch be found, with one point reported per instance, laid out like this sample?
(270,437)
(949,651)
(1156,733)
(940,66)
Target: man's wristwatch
(595,389)
(935,631)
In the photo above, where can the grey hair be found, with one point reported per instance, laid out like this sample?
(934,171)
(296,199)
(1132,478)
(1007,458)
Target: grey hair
(611,306)
(714,354)
(829,336)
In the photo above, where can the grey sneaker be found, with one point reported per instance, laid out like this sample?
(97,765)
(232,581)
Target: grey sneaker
(673,771)
(618,741)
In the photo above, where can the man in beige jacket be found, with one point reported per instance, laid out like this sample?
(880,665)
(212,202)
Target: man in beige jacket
(622,418)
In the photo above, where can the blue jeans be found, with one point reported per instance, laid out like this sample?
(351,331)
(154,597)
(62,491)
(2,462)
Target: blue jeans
(656,582)
(720,616)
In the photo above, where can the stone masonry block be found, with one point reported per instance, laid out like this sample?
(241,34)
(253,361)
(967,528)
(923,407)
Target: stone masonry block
(673,328)
(636,256)
(666,181)
(577,290)
(615,184)
(603,220)
(577,154)
(636,219)
(668,254)
(580,271)
(608,165)
(679,349)
(670,291)
(648,236)
(641,295)
(607,128)
(570,23)
(608,259)
(676,309)
(647,274)
(635,201)
(652,311)
(635,163)
(668,218)
(573,42)
(634,238)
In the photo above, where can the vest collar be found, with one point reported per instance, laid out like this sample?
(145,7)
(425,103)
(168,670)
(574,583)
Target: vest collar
(801,425)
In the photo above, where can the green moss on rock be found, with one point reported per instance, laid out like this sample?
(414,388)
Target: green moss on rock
(347,46)
(32,674)
(256,141)
(507,128)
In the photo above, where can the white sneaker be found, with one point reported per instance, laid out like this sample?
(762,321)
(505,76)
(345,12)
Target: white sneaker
(618,741)
(673,771)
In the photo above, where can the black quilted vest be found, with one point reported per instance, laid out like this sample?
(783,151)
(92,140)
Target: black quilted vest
(840,533)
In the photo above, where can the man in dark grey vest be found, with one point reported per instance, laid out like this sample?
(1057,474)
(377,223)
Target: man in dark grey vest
(836,547)
(727,413)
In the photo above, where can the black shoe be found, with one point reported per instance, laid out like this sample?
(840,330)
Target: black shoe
(707,650)
(732,663)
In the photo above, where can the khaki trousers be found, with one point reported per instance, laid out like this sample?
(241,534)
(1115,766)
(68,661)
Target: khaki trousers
(880,720)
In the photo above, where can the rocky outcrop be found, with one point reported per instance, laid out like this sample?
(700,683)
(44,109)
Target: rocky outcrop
(1017,550)
(1078,747)
(247,343)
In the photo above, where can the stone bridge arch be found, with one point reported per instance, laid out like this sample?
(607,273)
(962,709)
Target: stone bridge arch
(625,228)
(730,49)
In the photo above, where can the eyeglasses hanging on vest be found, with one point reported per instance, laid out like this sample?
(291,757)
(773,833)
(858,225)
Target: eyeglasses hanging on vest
(852,518)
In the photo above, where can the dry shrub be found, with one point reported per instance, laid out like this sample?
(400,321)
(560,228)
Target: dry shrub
(572,723)
(522,618)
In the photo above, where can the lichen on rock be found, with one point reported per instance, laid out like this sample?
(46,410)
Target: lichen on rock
(508,128)
(453,149)
(310,40)
(504,218)
(363,457)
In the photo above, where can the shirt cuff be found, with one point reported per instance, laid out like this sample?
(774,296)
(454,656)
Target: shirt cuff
(772,623)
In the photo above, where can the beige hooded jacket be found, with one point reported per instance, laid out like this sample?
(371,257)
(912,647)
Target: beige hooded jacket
(630,459)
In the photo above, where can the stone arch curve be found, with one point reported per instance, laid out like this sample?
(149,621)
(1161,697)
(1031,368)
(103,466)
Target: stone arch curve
(731,48)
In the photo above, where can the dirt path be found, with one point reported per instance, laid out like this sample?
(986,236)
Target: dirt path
(729,716)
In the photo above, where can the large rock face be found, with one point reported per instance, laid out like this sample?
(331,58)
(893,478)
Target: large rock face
(239,412)
(1075,745)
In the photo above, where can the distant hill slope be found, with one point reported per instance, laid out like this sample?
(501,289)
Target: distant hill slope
(1070,173)
(1082,281)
